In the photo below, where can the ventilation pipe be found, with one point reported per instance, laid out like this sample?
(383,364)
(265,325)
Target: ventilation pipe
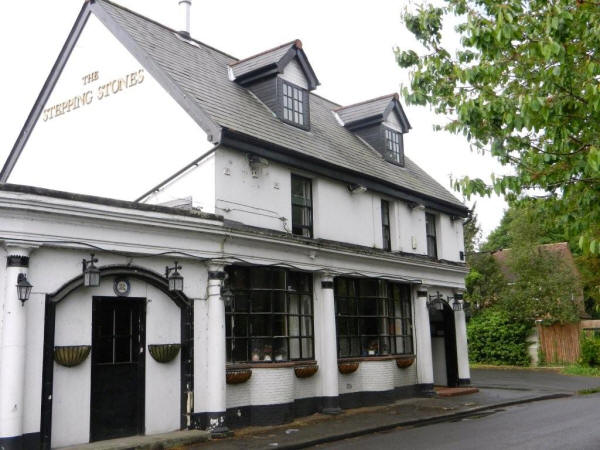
(187,6)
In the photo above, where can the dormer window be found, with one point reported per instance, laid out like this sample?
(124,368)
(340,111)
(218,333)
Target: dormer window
(282,79)
(394,150)
(381,123)
(294,103)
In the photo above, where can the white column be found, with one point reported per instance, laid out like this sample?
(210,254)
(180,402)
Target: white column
(328,365)
(423,337)
(462,349)
(12,347)
(216,393)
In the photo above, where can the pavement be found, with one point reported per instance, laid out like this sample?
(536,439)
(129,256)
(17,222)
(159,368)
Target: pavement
(498,388)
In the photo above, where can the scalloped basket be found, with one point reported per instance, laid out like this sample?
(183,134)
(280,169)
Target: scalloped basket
(71,355)
(164,353)
(348,367)
(403,363)
(306,371)
(238,376)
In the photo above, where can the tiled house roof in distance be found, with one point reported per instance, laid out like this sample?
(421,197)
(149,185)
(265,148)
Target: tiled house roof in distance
(201,73)
(372,111)
(270,62)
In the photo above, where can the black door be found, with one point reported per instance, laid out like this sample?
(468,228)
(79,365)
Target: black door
(118,340)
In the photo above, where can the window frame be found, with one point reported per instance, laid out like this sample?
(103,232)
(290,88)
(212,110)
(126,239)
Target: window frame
(432,244)
(249,340)
(386,229)
(388,319)
(282,86)
(309,207)
(391,154)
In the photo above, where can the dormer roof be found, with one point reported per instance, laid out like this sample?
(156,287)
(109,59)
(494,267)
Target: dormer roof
(270,63)
(371,112)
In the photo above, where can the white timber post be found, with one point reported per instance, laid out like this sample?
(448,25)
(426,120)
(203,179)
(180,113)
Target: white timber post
(423,336)
(12,350)
(328,365)
(462,349)
(216,401)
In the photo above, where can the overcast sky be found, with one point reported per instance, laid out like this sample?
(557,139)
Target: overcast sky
(349,43)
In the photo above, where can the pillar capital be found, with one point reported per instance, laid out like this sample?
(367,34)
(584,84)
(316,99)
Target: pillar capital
(216,270)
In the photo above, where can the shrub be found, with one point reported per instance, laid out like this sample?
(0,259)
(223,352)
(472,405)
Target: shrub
(590,350)
(496,339)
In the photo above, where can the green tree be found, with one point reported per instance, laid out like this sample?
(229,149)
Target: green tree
(542,284)
(523,85)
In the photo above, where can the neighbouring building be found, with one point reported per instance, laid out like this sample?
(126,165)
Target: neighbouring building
(310,264)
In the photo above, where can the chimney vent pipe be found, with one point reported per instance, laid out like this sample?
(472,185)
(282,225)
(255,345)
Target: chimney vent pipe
(187,6)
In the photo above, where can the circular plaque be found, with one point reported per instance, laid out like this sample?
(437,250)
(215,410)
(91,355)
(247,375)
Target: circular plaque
(121,287)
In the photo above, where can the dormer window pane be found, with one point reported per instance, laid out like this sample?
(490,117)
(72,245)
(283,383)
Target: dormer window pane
(293,104)
(393,146)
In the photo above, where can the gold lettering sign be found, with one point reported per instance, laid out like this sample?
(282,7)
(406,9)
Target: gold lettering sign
(100,93)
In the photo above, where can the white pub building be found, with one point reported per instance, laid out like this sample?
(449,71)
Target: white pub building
(278,255)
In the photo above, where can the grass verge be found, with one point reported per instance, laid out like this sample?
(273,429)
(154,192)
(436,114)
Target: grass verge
(589,391)
(584,371)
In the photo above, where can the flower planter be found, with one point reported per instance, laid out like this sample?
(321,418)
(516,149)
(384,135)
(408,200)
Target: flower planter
(238,376)
(348,367)
(164,353)
(403,363)
(306,371)
(71,355)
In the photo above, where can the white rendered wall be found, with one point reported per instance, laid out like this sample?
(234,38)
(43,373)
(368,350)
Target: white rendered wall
(450,238)
(294,74)
(197,183)
(258,200)
(163,380)
(117,146)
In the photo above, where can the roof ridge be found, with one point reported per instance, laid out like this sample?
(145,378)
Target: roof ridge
(296,42)
(394,95)
(135,13)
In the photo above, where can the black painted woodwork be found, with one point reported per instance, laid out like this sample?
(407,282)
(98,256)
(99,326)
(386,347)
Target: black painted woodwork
(118,382)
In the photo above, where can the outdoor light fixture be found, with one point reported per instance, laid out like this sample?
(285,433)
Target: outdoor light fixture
(175,278)
(436,302)
(458,303)
(227,296)
(91,274)
(23,288)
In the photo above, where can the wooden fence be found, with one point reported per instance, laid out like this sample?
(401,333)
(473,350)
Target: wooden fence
(559,343)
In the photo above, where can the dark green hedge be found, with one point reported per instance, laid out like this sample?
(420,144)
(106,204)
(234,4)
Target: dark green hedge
(495,339)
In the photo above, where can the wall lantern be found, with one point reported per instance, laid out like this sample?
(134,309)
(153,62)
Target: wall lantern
(91,274)
(175,278)
(436,302)
(458,303)
(227,296)
(23,288)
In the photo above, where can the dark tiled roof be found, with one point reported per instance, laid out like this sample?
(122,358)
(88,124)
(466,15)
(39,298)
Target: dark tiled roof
(263,59)
(364,110)
(202,73)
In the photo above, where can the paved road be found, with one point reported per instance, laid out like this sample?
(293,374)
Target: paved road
(570,423)
(542,380)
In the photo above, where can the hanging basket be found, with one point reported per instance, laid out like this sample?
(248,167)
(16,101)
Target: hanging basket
(164,353)
(348,367)
(306,371)
(71,355)
(403,363)
(238,376)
